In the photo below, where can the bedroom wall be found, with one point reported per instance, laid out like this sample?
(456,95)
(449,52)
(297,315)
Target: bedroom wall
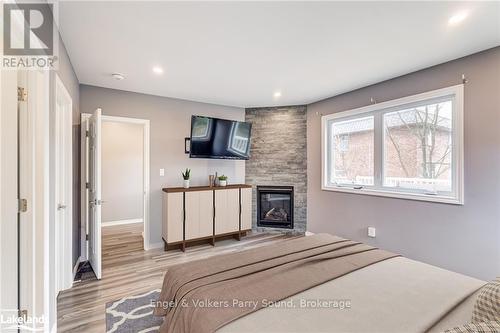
(122,171)
(170,123)
(460,238)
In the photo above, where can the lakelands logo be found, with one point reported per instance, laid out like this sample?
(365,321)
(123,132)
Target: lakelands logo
(29,36)
(10,321)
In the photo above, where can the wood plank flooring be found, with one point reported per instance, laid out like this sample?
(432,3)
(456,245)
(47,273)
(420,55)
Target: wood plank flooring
(128,270)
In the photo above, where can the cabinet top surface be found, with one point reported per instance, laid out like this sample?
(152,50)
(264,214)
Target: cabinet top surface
(204,188)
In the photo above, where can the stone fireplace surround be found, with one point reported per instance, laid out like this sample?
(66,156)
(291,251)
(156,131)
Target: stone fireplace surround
(278,157)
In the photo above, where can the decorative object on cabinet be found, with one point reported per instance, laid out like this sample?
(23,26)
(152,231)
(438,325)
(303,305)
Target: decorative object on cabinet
(222,180)
(186,175)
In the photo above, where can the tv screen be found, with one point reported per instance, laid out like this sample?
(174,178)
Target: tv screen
(219,138)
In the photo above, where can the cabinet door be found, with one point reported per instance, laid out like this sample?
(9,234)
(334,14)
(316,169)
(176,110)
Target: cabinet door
(246,208)
(206,213)
(233,210)
(227,211)
(174,217)
(192,215)
(199,214)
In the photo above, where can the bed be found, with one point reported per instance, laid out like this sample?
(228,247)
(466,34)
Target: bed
(319,283)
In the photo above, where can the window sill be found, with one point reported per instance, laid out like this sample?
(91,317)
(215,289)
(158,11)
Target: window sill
(397,195)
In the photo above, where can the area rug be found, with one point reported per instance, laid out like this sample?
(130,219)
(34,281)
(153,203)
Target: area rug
(133,314)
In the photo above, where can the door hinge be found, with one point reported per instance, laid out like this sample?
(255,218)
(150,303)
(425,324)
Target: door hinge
(87,237)
(22,94)
(23,314)
(23,205)
(87,185)
(87,134)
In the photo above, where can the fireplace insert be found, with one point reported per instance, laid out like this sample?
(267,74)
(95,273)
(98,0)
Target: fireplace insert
(275,206)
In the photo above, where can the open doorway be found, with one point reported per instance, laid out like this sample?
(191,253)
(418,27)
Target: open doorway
(120,146)
(122,188)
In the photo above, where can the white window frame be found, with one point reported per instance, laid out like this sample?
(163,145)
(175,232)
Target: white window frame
(456,196)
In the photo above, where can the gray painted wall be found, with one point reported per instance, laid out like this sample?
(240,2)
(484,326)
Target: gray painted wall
(170,123)
(278,156)
(460,238)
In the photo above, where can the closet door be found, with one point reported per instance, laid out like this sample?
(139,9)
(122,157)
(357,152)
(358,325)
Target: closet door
(192,215)
(174,217)
(246,208)
(227,211)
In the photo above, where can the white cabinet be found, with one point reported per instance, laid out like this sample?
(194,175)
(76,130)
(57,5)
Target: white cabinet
(204,213)
(199,214)
(227,211)
(246,208)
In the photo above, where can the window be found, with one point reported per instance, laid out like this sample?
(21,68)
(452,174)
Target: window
(406,148)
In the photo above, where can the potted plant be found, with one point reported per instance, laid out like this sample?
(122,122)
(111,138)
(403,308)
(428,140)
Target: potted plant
(186,175)
(222,180)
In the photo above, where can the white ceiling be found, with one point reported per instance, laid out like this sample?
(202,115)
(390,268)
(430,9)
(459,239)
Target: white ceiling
(241,53)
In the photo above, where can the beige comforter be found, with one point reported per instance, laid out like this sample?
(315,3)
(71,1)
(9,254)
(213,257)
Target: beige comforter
(397,295)
(205,295)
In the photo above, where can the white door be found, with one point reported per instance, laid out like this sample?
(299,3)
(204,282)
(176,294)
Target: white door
(95,201)
(25,183)
(63,188)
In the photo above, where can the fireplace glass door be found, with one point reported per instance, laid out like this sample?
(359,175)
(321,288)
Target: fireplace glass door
(275,206)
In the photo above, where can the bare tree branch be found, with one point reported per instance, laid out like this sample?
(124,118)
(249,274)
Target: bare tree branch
(398,151)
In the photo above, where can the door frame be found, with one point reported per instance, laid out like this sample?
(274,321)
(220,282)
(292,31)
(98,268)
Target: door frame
(146,172)
(63,130)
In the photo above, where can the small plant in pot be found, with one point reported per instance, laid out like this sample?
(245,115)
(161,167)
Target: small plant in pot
(222,180)
(186,175)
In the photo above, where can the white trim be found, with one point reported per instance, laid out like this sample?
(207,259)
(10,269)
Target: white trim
(155,246)
(120,222)
(125,120)
(396,195)
(381,108)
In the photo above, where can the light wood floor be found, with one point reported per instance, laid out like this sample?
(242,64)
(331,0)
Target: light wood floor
(128,270)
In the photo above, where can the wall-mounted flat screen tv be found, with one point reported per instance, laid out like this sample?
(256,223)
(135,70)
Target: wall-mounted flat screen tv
(219,138)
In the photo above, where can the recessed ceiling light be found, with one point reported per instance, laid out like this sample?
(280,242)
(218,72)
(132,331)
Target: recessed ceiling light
(157,70)
(118,76)
(277,94)
(457,18)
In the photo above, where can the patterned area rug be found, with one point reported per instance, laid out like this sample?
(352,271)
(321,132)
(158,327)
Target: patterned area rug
(133,314)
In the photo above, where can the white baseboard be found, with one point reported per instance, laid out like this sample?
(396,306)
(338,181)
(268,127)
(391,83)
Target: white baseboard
(155,245)
(118,222)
